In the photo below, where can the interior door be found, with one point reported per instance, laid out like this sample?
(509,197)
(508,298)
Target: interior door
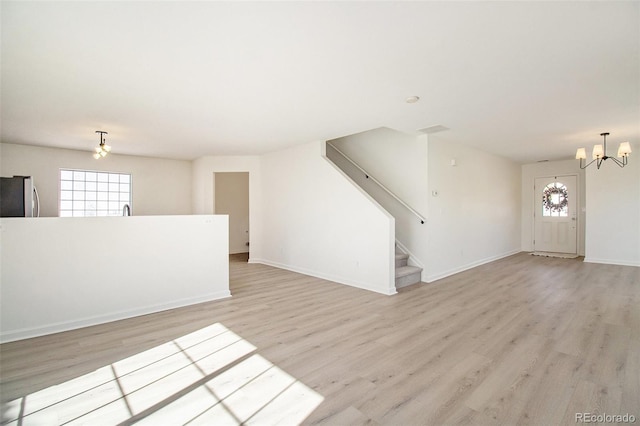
(555,214)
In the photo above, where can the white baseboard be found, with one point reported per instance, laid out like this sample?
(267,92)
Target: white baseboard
(324,276)
(27,333)
(441,275)
(613,261)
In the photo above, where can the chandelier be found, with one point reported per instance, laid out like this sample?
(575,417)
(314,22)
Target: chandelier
(103,149)
(599,153)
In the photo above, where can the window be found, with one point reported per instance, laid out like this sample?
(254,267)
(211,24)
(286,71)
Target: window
(555,200)
(92,193)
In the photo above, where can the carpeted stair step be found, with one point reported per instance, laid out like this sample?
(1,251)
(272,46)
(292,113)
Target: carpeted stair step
(407,275)
(401,259)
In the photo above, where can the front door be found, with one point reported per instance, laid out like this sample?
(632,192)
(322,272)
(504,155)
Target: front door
(555,214)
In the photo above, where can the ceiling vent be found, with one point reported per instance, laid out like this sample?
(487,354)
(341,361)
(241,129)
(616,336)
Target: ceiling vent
(433,129)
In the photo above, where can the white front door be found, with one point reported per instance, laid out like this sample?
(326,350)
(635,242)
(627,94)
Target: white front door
(555,214)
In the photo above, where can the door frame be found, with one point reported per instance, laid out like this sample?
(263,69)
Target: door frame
(578,207)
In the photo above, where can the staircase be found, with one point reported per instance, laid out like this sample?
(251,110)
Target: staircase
(405,274)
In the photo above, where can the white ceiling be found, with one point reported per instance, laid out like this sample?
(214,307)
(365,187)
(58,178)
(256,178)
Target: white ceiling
(527,80)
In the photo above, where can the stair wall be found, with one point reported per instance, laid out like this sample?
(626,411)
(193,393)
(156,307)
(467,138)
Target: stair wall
(399,161)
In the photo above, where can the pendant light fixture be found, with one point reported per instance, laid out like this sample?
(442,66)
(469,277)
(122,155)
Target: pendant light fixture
(599,153)
(103,149)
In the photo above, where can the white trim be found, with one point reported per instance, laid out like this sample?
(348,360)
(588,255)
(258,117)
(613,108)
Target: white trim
(329,277)
(619,262)
(471,265)
(27,333)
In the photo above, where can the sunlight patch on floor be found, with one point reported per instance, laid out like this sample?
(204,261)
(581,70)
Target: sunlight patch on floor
(253,391)
(211,375)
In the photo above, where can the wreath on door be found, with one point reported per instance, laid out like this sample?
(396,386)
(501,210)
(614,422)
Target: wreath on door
(554,197)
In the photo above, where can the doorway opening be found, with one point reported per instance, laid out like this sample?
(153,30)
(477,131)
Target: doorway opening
(231,191)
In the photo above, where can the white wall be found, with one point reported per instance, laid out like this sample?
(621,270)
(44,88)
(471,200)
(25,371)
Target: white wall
(546,169)
(63,273)
(316,222)
(613,212)
(159,186)
(203,185)
(232,198)
(475,217)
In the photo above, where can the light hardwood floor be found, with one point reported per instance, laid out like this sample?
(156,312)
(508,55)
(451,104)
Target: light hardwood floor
(523,340)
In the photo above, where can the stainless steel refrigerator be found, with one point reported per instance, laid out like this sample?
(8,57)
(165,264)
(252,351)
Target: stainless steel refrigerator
(18,197)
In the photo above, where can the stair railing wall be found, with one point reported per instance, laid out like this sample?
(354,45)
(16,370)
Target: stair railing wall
(377,182)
